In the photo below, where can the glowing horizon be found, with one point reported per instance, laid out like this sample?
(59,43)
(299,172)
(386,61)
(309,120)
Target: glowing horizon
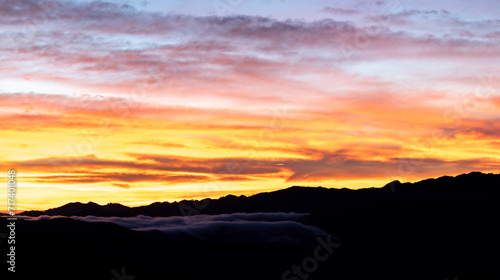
(132,103)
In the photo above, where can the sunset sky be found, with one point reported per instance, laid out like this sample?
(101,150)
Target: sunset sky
(142,101)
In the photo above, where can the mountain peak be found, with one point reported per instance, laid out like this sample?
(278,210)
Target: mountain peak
(392,185)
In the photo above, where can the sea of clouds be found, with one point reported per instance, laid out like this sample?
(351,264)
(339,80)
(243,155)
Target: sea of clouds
(272,228)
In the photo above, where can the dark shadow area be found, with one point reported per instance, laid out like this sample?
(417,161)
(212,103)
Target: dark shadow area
(443,228)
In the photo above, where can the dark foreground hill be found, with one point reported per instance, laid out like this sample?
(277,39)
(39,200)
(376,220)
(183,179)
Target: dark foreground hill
(445,228)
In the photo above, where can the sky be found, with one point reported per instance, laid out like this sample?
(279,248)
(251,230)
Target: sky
(141,101)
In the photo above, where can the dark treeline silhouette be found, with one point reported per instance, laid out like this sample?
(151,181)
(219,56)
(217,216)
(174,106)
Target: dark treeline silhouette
(442,228)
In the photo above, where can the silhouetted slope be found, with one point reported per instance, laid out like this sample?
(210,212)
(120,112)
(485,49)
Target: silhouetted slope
(301,199)
(433,229)
(81,209)
(64,248)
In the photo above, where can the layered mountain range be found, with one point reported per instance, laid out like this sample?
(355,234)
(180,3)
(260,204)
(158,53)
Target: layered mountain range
(444,228)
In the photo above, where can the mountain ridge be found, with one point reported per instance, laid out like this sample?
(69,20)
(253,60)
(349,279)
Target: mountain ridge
(439,228)
(231,203)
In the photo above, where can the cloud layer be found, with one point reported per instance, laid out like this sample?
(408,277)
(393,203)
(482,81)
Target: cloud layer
(262,228)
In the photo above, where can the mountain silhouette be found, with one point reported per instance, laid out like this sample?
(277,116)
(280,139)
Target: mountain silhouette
(444,228)
(299,199)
